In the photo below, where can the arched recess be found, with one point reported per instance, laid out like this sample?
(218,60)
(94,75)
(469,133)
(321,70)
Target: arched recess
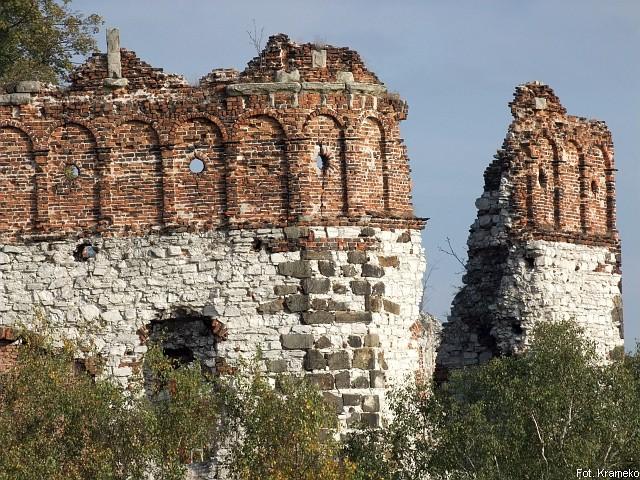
(595,194)
(326,167)
(373,166)
(18,200)
(200,194)
(72,169)
(262,170)
(136,183)
(544,174)
(570,186)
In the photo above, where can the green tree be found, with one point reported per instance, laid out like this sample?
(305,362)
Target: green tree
(38,39)
(540,415)
(283,433)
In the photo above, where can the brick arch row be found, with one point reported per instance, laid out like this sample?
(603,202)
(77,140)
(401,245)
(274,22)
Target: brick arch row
(570,188)
(84,179)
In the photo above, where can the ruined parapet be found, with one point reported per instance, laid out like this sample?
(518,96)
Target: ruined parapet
(544,246)
(268,210)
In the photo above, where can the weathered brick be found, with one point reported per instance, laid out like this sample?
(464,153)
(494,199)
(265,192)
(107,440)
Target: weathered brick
(351,399)
(323,342)
(370,403)
(390,261)
(277,366)
(335,401)
(285,289)
(274,306)
(354,341)
(377,379)
(391,307)
(372,340)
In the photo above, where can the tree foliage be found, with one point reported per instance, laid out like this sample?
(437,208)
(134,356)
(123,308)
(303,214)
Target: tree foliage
(541,415)
(38,39)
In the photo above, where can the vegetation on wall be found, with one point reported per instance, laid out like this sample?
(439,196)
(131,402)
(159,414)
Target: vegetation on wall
(540,415)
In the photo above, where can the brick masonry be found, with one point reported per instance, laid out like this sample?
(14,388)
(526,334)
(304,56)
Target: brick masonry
(544,246)
(263,210)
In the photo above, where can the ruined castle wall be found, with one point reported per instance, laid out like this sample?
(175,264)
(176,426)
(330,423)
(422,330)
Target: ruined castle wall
(544,246)
(341,316)
(268,210)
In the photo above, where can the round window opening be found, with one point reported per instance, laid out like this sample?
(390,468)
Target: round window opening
(196,166)
(71,172)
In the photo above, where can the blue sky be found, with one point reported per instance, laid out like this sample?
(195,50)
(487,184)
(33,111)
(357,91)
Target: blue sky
(457,64)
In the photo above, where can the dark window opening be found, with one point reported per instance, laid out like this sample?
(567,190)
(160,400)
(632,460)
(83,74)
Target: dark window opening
(85,251)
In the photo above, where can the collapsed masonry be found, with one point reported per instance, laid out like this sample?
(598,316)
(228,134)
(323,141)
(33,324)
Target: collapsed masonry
(544,246)
(262,210)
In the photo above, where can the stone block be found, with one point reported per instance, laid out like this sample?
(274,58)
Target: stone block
(373,303)
(314,360)
(297,303)
(367,232)
(360,287)
(351,399)
(297,269)
(285,289)
(319,317)
(370,403)
(370,270)
(277,365)
(316,255)
(316,285)
(377,379)
(323,342)
(354,341)
(328,269)
(391,307)
(372,340)
(339,360)
(274,306)
(334,401)
(339,288)
(391,261)
(364,358)
(323,381)
(343,380)
(296,341)
(360,382)
(348,271)
(378,289)
(357,257)
(353,317)
(295,232)
(370,419)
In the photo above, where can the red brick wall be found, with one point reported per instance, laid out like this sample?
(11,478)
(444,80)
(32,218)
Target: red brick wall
(562,171)
(133,146)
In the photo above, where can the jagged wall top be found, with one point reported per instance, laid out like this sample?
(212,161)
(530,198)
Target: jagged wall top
(306,135)
(553,179)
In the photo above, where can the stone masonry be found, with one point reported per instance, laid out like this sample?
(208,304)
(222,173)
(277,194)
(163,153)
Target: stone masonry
(263,210)
(544,246)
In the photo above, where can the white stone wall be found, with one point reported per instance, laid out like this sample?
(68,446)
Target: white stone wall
(259,296)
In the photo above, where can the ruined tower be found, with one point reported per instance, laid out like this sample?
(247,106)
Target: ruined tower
(268,209)
(544,246)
